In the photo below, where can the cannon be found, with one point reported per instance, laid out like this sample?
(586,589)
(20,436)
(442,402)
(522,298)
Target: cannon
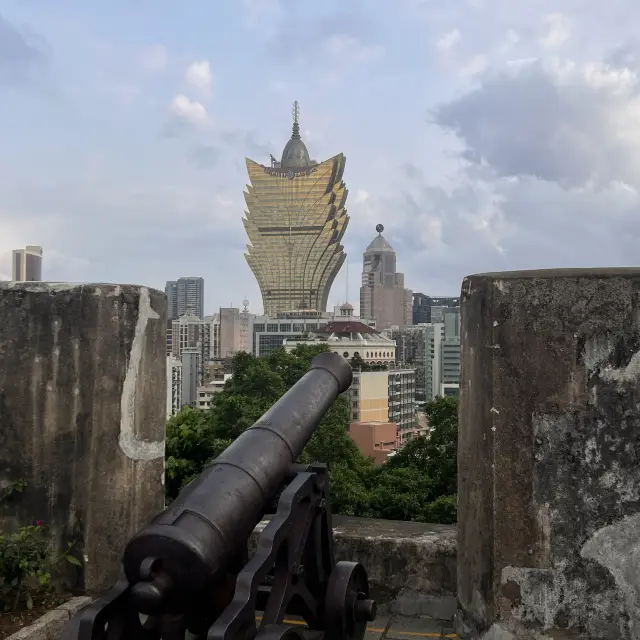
(190,570)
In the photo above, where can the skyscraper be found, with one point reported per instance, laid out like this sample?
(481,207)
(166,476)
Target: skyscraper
(27,264)
(383,297)
(295,220)
(185,295)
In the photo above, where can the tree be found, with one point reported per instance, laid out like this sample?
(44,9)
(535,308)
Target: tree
(196,437)
(426,465)
(418,483)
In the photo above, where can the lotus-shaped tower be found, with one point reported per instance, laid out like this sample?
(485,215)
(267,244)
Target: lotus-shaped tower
(295,220)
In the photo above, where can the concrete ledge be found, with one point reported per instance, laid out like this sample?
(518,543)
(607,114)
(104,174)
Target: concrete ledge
(50,625)
(411,565)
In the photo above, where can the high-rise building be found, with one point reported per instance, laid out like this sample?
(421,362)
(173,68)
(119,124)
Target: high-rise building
(185,295)
(423,306)
(192,335)
(27,264)
(295,220)
(171,291)
(382,294)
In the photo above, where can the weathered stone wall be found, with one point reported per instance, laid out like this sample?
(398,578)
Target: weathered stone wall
(411,565)
(549,455)
(82,404)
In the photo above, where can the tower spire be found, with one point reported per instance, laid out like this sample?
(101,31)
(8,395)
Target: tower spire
(296,121)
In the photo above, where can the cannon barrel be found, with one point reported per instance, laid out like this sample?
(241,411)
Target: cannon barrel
(188,546)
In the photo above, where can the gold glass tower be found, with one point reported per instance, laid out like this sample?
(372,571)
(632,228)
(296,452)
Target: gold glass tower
(295,220)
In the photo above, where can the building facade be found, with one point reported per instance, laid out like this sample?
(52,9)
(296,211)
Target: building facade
(270,333)
(351,339)
(185,295)
(422,306)
(26,265)
(295,219)
(383,296)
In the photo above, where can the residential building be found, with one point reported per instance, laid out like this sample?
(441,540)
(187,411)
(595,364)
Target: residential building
(422,307)
(191,334)
(369,396)
(185,295)
(402,399)
(208,391)
(171,291)
(27,264)
(295,221)
(450,354)
(374,439)
(383,296)
(411,352)
(174,385)
(191,359)
(214,336)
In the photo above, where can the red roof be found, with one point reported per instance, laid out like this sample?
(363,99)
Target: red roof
(346,327)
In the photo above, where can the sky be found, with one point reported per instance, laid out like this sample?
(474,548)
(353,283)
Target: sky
(485,135)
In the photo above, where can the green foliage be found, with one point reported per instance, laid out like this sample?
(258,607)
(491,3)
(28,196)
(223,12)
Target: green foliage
(358,364)
(418,483)
(28,562)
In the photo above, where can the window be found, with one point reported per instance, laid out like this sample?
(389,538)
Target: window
(346,354)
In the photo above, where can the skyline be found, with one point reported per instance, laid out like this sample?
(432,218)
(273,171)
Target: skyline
(483,136)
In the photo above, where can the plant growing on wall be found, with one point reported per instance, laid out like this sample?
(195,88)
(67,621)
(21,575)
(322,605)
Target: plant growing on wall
(28,562)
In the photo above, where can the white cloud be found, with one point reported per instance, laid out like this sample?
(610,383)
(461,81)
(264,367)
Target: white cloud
(361,196)
(557,31)
(190,110)
(476,65)
(154,58)
(555,120)
(198,74)
(449,40)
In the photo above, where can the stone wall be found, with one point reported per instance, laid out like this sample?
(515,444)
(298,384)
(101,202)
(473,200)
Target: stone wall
(411,565)
(549,455)
(82,398)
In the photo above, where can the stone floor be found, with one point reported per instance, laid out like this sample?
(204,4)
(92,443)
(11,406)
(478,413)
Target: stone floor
(403,628)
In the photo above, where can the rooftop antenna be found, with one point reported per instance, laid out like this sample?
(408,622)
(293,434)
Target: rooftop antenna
(295,112)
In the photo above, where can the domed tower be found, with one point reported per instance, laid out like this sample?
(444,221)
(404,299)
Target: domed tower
(383,297)
(295,219)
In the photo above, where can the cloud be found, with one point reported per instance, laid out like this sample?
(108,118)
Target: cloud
(191,111)
(557,31)
(198,74)
(174,216)
(559,121)
(548,174)
(21,53)
(347,37)
(154,58)
(448,41)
